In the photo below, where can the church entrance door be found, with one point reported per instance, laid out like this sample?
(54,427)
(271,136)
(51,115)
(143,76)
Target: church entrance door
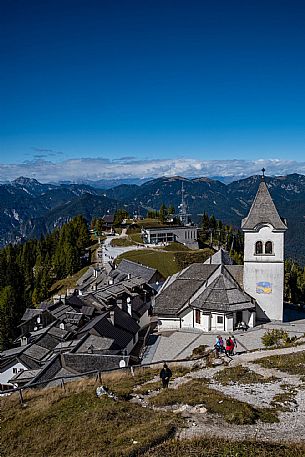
(239,317)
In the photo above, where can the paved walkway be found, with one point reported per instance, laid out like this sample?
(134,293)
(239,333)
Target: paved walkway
(179,344)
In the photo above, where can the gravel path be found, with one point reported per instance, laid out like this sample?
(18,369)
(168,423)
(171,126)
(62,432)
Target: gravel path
(292,423)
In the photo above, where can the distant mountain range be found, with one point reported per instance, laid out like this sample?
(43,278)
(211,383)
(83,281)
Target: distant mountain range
(29,208)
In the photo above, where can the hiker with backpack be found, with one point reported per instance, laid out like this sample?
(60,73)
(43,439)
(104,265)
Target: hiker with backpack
(229,347)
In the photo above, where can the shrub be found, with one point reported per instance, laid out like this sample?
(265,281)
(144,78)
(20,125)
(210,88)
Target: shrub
(199,351)
(275,337)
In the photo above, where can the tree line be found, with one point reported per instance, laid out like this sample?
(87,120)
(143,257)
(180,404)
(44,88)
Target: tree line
(214,233)
(28,270)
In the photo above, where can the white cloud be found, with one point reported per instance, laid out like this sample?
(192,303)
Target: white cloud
(129,167)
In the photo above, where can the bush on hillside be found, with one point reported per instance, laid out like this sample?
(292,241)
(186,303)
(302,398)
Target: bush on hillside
(275,337)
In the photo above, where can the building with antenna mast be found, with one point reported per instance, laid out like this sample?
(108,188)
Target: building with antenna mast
(186,233)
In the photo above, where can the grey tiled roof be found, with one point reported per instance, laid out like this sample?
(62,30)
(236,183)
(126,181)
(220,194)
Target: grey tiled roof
(224,295)
(87,310)
(104,327)
(58,333)
(237,271)
(83,363)
(47,341)
(8,353)
(137,269)
(95,343)
(173,297)
(29,362)
(198,271)
(36,352)
(263,211)
(30,313)
(24,376)
(221,257)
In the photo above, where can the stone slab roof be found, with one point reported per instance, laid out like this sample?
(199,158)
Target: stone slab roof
(137,269)
(83,363)
(223,295)
(94,343)
(103,326)
(24,376)
(173,297)
(221,257)
(30,313)
(237,271)
(36,352)
(263,211)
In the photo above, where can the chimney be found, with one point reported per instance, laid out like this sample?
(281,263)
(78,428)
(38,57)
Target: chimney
(128,275)
(24,341)
(129,307)
(110,282)
(112,316)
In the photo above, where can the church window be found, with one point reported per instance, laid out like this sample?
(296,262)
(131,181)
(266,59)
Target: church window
(268,247)
(197,316)
(258,247)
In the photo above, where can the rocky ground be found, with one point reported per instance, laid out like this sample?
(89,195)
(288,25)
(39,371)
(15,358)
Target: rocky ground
(291,411)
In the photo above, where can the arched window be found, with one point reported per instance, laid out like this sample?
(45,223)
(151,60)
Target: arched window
(258,247)
(268,247)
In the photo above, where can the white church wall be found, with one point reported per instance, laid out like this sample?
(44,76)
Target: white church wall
(264,282)
(218,322)
(188,319)
(251,321)
(204,324)
(229,323)
(264,234)
(168,323)
(264,274)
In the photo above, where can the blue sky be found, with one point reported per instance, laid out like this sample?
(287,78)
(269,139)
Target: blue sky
(162,82)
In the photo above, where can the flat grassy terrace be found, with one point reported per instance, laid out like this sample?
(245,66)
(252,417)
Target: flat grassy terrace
(291,363)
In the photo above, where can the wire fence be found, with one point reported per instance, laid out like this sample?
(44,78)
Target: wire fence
(98,374)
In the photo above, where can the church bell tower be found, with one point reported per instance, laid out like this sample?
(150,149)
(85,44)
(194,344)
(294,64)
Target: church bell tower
(264,255)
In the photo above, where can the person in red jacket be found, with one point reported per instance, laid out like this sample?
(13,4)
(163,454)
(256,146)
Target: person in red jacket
(229,346)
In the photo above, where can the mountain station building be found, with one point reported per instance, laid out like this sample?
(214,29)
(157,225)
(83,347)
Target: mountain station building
(186,235)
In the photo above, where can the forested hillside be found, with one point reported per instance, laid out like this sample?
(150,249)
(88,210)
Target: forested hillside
(28,270)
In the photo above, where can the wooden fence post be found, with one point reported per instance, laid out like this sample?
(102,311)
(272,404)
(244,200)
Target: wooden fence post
(21,396)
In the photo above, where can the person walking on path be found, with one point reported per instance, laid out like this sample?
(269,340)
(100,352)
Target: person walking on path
(235,344)
(165,375)
(219,346)
(229,347)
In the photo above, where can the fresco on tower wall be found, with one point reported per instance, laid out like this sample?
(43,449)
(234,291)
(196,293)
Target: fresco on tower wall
(264,287)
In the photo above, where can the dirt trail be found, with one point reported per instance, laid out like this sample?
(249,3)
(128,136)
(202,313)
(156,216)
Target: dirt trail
(291,426)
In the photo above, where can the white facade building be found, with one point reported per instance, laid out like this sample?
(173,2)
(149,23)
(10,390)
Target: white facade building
(186,235)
